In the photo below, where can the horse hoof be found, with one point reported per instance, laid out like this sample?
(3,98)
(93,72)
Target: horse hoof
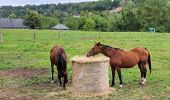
(143,83)
(120,86)
(52,81)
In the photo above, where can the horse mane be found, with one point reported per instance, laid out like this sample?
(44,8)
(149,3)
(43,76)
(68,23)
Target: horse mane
(62,63)
(106,46)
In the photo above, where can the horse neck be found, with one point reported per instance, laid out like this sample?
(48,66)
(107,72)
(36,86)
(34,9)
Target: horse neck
(108,51)
(62,61)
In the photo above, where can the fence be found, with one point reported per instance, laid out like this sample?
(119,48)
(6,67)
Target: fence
(38,35)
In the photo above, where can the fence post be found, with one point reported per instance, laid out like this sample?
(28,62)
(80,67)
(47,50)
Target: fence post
(99,34)
(34,36)
(1,37)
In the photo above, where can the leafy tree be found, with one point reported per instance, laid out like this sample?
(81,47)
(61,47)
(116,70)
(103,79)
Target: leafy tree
(89,25)
(12,16)
(48,22)
(101,24)
(72,22)
(128,21)
(82,22)
(115,3)
(156,14)
(32,19)
(50,9)
(60,16)
(136,15)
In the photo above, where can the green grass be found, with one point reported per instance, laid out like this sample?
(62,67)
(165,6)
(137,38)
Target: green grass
(19,50)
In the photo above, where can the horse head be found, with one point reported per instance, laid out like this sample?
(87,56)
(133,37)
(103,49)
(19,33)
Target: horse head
(65,75)
(95,50)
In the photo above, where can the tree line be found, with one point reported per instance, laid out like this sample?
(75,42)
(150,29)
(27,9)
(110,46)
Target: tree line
(134,15)
(54,10)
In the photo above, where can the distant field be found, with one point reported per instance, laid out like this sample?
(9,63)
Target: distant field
(18,50)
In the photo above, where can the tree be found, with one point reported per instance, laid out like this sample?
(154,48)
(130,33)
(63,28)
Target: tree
(156,14)
(82,22)
(128,21)
(72,22)
(48,22)
(60,15)
(12,16)
(32,19)
(89,25)
(101,24)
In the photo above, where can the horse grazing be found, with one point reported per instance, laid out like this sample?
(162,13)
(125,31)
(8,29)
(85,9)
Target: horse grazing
(58,57)
(124,59)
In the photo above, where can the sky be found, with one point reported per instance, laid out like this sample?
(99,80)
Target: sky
(36,2)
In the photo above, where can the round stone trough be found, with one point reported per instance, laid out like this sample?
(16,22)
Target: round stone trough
(90,74)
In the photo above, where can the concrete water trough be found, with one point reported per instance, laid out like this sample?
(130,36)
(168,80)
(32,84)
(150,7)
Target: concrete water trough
(90,74)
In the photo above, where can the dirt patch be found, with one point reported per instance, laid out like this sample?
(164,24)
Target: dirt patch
(27,73)
(5,96)
(2,73)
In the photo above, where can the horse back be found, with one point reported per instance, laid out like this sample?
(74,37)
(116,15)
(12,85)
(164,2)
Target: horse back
(128,59)
(54,54)
(142,54)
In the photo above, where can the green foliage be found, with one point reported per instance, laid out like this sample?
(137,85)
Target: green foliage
(157,14)
(101,24)
(12,16)
(48,22)
(89,24)
(139,15)
(32,19)
(72,22)
(128,21)
(82,22)
(135,15)
(51,9)
(60,16)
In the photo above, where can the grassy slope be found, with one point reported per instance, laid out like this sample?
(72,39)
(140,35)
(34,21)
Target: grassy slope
(19,50)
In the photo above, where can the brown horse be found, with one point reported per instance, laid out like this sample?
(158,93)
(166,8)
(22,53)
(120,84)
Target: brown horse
(58,57)
(124,59)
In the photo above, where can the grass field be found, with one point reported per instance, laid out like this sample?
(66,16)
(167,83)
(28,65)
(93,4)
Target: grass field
(18,50)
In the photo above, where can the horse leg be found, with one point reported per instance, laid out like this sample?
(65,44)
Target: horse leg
(64,84)
(144,73)
(65,81)
(59,77)
(52,72)
(140,67)
(113,75)
(120,76)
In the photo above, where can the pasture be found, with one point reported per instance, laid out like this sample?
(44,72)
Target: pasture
(25,66)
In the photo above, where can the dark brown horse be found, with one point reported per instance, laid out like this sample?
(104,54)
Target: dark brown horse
(124,59)
(58,57)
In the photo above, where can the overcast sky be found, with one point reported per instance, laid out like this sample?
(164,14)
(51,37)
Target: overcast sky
(36,2)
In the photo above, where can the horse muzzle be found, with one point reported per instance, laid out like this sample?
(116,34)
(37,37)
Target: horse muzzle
(90,54)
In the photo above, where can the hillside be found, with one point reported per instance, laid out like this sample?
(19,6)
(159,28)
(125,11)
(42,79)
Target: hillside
(53,9)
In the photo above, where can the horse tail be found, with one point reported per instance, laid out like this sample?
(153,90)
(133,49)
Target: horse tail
(149,60)
(61,61)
